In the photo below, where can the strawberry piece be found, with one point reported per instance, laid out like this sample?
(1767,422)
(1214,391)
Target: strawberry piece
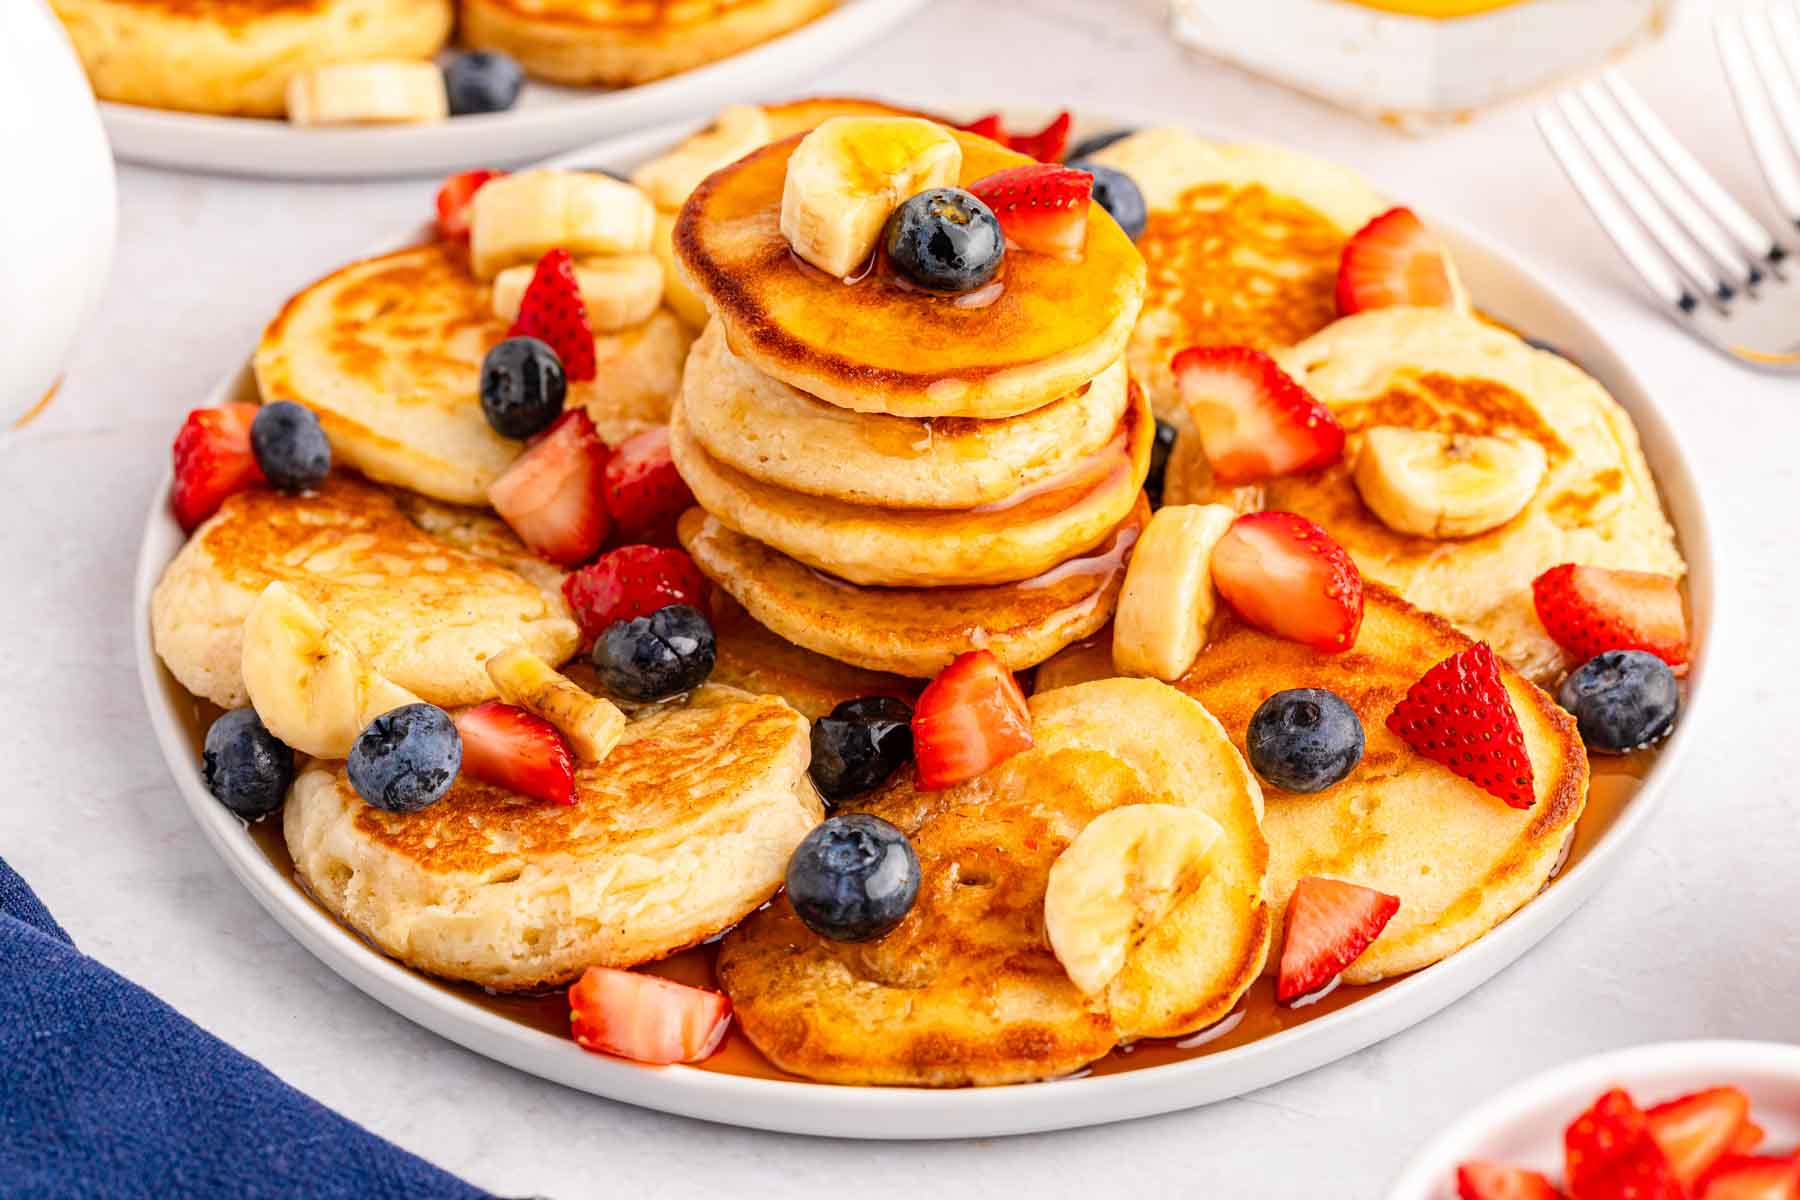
(644,491)
(553,494)
(1254,421)
(1459,714)
(1750,1135)
(1329,924)
(990,127)
(1042,208)
(632,581)
(1610,1155)
(213,460)
(1743,1177)
(970,718)
(1698,1130)
(1285,576)
(1047,144)
(1491,1181)
(453,201)
(520,751)
(552,312)
(1393,260)
(646,1017)
(1588,610)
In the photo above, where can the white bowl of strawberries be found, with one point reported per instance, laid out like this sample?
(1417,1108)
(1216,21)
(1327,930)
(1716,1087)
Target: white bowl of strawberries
(1712,1120)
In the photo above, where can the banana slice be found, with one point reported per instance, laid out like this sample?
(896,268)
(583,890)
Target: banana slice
(309,686)
(617,292)
(367,93)
(684,300)
(1446,485)
(735,132)
(849,174)
(591,724)
(1118,879)
(517,218)
(1166,606)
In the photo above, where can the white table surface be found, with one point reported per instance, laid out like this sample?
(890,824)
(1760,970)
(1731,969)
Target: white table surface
(1693,936)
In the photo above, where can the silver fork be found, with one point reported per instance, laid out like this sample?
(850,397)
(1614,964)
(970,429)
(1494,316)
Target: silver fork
(1724,276)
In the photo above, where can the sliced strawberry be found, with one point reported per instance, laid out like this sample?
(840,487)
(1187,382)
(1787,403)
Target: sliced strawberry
(970,718)
(1743,1177)
(1254,421)
(213,460)
(1329,924)
(1285,575)
(1491,1181)
(1393,260)
(644,491)
(1046,145)
(1459,714)
(1588,610)
(1610,1155)
(520,751)
(990,127)
(553,494)
(1042,208)
(453,201)
(552,311)
(1698,1130)
(1750,1135)
(632,581)
(645,1017)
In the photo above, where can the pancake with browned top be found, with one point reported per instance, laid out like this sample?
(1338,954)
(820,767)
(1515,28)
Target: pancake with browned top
(756,659)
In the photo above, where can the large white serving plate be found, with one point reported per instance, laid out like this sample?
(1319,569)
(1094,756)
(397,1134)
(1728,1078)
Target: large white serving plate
(546,119)
(1503,288)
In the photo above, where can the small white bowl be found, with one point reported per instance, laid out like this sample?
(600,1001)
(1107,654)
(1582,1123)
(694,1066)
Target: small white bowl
(1524,1125)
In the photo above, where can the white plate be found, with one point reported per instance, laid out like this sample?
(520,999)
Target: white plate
(546,119)
(1524,1125)
(1503,288)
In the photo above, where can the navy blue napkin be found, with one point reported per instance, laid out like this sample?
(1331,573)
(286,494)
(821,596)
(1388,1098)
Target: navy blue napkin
(105,1091)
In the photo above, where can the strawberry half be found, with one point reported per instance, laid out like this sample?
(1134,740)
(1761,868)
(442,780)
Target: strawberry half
(213,460)
(1046,145)
(644,491)
(520,751)
(990,127)
(1610,1155)
(1393,260)
(1697,1131)
(632,581)
(1042,208)
(553,494)
(1741,1177)
(646,1017)
(1254,421)
(1329,924)
(552,312)
(970,718)
(1285,576)
(1588,610)
(1459,714)
(1749,1136)
(453,201)
(1491,1181)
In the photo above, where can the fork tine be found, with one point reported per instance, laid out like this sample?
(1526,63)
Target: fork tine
(1618,224)
(1753,105)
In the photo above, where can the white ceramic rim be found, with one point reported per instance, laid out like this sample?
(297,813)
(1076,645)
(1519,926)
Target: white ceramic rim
(909,1113)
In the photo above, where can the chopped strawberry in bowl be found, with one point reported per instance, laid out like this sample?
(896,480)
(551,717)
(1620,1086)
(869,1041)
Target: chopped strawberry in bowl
(553,495)
(1286,576)
(1394,260)
(970,718)
(1253,420)
(646,1018)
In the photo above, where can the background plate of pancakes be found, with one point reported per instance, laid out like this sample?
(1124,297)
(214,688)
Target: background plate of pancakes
(1502,288)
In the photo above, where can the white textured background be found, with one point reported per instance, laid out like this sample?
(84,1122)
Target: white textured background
(1693,936)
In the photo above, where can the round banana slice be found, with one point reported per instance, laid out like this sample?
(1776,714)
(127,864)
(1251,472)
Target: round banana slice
(849,174)
(1167,605)
(735,132)
(1445,485)
(519,218)
(1119,878)
(308,685)
(617,292)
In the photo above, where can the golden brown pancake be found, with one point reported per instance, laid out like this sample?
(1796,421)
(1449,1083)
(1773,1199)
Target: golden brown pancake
(754,659)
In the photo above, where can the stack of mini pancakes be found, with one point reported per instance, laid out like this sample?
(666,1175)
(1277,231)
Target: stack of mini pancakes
(893,478)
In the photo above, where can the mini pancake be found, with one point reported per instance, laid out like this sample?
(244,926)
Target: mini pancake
(966,990)
(809,112)
(619,43)
(682,831)
(388,353)
(879,345)
(1018,538)
(234,57)
(757,660)
(423,612)
(915,632)
(784,438)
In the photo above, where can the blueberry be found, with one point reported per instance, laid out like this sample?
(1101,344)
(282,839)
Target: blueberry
(853,878)
(946,240)
(1118,194)
(482,82)
(1098,142)
(651,658)
(406,759)
(289,446)
(859,745)
(247,768)
(522,387)
(1159,462)
(1304,740)
(1622,700)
